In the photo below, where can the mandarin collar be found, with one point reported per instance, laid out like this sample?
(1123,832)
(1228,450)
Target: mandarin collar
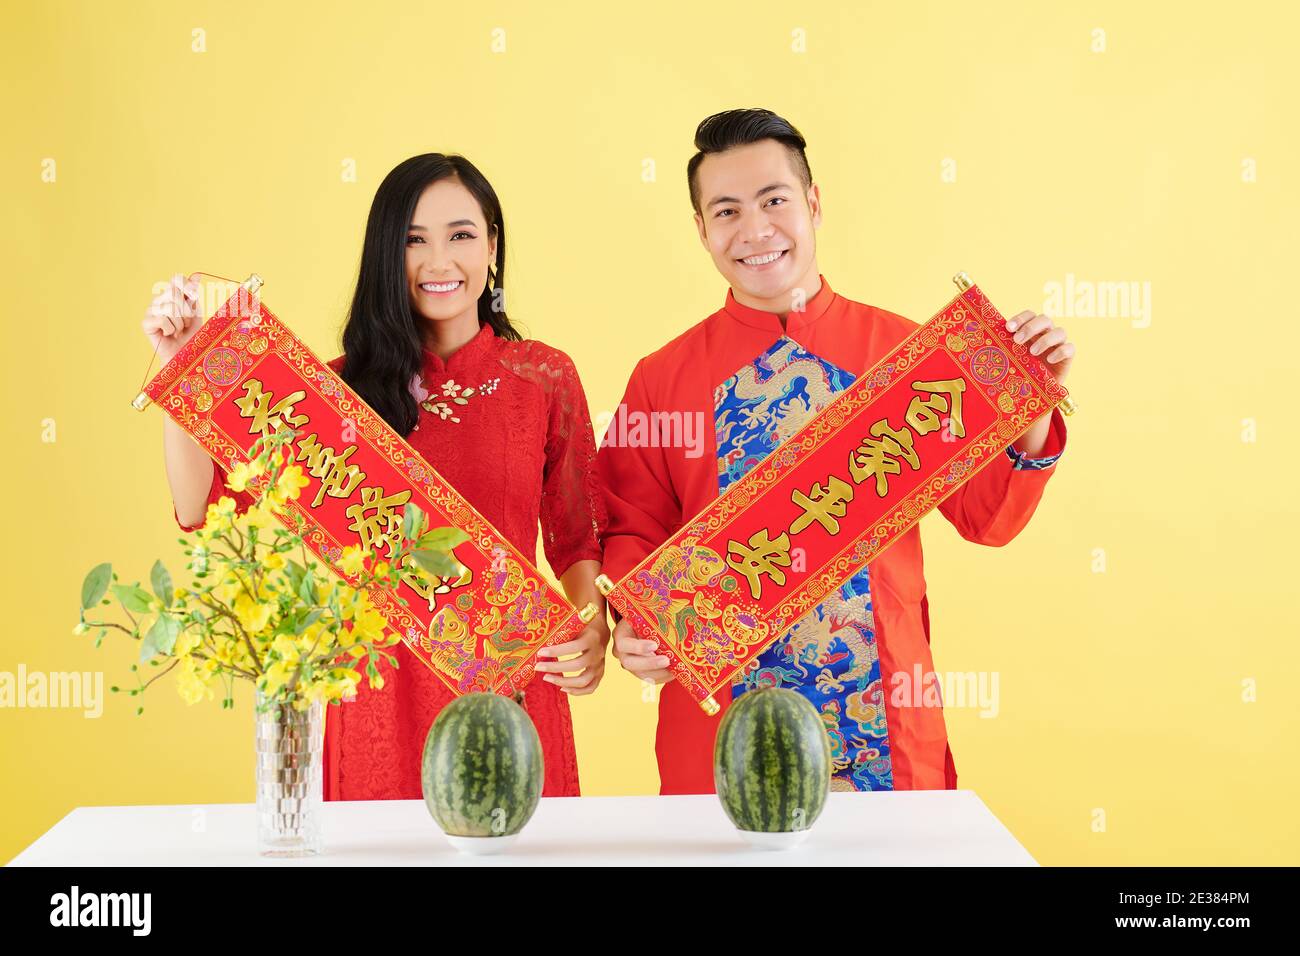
(814,309)
(463,356)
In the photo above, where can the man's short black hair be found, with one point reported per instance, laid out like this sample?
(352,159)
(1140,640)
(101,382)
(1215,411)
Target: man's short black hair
(732,128)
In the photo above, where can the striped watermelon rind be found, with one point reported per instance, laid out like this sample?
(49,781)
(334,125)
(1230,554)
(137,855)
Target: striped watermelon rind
(772,762)
(481,770)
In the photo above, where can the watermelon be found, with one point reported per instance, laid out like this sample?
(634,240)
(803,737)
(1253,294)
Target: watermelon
(482,769)
(772,762)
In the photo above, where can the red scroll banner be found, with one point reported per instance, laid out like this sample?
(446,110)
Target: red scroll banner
(894,444)
(243,374)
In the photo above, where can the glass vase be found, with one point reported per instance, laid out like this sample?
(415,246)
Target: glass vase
(289,750)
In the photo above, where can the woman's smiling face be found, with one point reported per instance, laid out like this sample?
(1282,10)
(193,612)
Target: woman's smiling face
(449,248)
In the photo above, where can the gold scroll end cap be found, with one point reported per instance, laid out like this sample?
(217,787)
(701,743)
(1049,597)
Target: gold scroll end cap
(1068,406)
(588,612)
(140,402)
(253,283)
(604,585)
(710,707)
(963,281)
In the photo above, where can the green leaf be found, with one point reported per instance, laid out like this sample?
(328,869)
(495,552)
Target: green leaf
(133,597)
(161,638)
(310,618)
(307,588)
(411,515)
(437,562)
(95,586)
(162,583)
(442,539)
(295,572)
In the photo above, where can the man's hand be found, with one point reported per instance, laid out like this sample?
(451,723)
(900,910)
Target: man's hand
(1046,340)
(1049,343)
(638,657)
(589,665)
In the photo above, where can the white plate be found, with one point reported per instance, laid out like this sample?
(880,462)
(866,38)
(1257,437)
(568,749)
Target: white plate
(774,841)
(482,846)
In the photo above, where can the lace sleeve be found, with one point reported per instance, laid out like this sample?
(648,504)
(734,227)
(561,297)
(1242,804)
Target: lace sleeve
(572,508)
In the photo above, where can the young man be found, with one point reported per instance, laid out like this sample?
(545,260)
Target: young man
(753,373)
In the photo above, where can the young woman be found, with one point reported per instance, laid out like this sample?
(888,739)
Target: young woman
(504,419)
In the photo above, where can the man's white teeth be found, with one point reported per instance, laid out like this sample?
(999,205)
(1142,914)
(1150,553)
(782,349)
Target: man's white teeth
(762,260)
(439,286)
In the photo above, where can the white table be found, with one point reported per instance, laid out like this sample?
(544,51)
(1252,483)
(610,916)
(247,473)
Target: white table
(904,828)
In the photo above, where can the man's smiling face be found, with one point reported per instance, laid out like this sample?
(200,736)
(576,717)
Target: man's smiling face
(759,223)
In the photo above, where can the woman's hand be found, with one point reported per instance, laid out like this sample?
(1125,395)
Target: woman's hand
(173,316)
(640,657)
(582,674)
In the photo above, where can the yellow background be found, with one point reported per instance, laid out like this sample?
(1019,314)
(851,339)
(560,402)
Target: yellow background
(1121,690)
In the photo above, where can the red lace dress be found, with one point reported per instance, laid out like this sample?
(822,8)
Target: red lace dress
(520,448)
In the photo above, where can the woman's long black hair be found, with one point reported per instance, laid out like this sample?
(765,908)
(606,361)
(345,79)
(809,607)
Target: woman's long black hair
(382,339)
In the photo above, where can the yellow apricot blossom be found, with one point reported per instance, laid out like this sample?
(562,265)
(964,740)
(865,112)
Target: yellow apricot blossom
(260,515)
(353,560)
(193,680)
(368,625)
(242,472)
(186,641)
(253,616)
(228,589)
(220,516)
(284,646)
(290,483)
(276,676)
